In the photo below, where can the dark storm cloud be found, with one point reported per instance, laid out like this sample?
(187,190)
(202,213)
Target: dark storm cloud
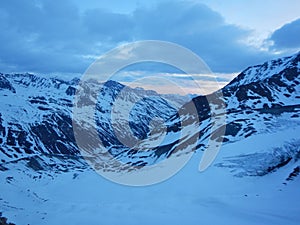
(54,36)
(288,36)
(202,30)
(40,37)
(108,26)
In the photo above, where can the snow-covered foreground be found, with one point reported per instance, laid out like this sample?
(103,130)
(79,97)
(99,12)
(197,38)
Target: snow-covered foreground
(213,197)
(254,179)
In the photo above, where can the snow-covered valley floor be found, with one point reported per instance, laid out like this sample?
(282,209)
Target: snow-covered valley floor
(212,197)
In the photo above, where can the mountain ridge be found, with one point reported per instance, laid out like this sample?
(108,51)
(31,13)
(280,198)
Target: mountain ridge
(255,175)
(277,93)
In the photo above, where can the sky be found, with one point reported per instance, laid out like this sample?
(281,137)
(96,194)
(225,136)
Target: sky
(65,37)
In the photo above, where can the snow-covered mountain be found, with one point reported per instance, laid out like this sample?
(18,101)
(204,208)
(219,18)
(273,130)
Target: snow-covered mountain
(253,180)
(263,99)
(36,114)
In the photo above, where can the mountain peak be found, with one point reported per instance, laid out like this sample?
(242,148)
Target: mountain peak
(5,84)
(262,72)
(113,84)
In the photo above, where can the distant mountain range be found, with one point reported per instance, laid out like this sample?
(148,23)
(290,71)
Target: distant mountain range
(260,134)
(36,113)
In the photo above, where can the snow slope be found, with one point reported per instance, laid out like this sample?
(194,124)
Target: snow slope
(36,113)
(254,179)
(190,197)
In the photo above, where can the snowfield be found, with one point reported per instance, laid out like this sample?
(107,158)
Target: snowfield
(254,179)
(215,196)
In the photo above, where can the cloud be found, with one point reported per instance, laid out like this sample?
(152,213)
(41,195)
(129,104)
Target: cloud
(287,37)
(202,30)
(179,83)
(56,36)
(108,26)
(40,37)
